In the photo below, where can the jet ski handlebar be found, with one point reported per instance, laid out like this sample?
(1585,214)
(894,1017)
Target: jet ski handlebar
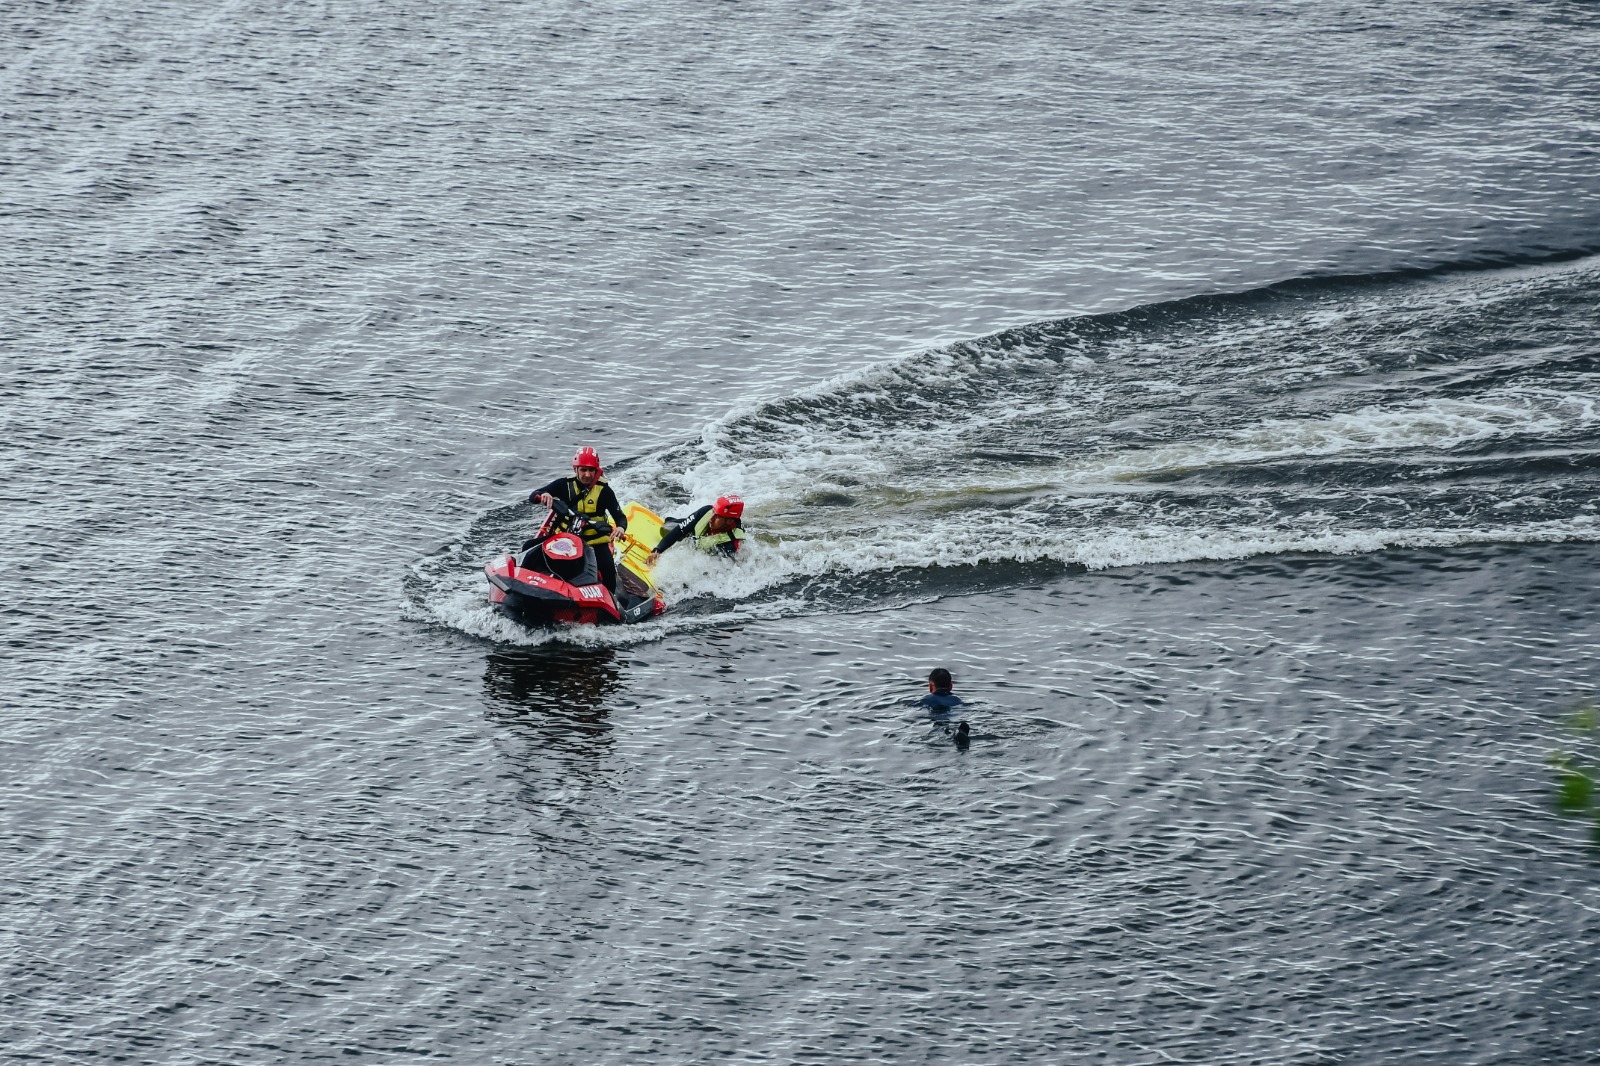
(576,523)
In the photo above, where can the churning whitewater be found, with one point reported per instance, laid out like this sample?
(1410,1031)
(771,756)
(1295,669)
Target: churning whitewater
(1336,415)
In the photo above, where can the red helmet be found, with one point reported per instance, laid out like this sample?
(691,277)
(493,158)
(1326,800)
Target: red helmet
(728,507)
(586,457)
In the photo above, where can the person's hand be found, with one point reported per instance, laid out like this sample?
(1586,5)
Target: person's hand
(617,533)
(546,499)
(650,560)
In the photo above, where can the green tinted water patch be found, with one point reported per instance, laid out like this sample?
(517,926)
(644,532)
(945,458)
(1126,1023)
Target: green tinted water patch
(1578,770)
(920,499)
(1172,473)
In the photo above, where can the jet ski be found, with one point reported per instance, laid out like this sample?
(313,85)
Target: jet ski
(556,578)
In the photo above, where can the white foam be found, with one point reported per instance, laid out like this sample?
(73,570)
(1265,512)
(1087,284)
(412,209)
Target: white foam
(742,589)
(1146,547)
(686,575)
(999,515)
(1432,425)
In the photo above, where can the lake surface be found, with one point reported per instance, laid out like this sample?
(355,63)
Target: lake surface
(1212,389)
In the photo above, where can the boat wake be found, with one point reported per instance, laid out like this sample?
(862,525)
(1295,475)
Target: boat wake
(1337,415)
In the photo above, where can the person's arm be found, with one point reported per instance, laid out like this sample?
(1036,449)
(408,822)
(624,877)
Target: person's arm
(610,505)
(668,539)
(555,488)
(683,529)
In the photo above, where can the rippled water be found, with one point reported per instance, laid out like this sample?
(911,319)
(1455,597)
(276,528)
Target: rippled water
(1211,388)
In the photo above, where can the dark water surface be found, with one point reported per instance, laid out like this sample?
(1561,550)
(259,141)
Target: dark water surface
(1212,388)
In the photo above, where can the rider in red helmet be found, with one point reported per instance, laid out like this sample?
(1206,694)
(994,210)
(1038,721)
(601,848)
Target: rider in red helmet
(716,527)
(587,493)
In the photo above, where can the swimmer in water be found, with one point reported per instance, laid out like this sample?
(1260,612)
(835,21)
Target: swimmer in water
(939,697)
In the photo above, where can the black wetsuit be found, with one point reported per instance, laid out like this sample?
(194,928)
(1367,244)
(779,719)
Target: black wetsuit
(570,490)
(685,528)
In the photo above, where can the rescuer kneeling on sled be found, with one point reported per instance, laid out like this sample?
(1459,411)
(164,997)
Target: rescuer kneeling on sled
(715,528)
(587,493)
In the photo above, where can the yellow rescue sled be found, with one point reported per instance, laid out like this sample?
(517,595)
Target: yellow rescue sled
(639,540)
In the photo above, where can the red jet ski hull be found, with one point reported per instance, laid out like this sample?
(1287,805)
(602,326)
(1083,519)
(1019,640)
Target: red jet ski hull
(539,599)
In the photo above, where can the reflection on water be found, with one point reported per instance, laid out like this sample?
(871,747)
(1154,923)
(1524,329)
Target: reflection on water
(557,697)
